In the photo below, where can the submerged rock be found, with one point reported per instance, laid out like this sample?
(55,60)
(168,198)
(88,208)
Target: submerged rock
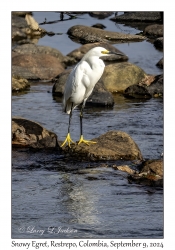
(151,173)
(99,97)
(43,66)
(85,34)
(77,54)
(117,77)
(19,84)
(26,133)
(114,145)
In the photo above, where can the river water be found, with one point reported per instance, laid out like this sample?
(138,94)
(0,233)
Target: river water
(53,197)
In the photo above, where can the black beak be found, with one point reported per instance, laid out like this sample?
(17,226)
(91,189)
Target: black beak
(115,53)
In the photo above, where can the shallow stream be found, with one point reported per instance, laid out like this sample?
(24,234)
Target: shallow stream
(53,197)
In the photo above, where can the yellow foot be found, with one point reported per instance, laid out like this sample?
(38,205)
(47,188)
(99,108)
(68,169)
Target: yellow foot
(68,140)
(85,141)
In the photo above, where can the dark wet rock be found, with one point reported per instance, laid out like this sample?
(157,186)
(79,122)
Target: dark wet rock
(151,174)
(152,86)
(100,14)
(99,97)
(29,134)
(45,67)
(154,30)
(117,77)
(114,145)
(85,34)
(158,43)
(99,26)
(77,54)
(19,84)
(136,91)
(137,16)
(160,63)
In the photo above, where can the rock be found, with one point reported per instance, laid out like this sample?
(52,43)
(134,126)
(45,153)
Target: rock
(18,71)
(39,49)
(85,34)
(99,97)
(45,67)
(99,26)
(77,54)
(124,168)
(160,63)
(138,16)
(151,174)
(17,34)
(100,14)
(117,77)
(26,133)
(114,145)
(25,27)
(21,13)
(158,43)
(151,86)
(154,30)
(19,84)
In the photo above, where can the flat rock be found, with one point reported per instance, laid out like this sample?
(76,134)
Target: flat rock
(77,54)
(29,134)
(114,145)
(85,34)
(99,97)
(43,66)
(139,16)
(19,84)
(118,76)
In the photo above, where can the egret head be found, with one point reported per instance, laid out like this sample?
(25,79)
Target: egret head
(100,51)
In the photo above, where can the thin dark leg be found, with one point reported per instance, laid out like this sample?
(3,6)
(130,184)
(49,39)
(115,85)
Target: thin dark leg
(81,119)
(70,117)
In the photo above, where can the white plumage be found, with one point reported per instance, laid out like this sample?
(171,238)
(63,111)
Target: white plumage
(81,83)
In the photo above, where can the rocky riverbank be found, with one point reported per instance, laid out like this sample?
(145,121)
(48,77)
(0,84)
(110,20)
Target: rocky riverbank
(32,62)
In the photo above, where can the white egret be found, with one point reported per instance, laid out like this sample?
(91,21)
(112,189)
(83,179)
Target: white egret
(80,84)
